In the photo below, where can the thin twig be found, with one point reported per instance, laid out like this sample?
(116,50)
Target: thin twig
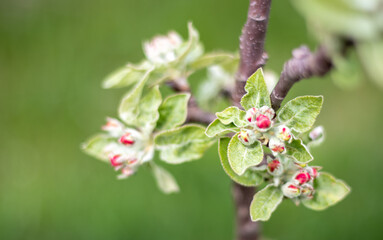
(303,64)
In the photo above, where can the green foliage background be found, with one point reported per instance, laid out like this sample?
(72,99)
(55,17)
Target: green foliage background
(53,56)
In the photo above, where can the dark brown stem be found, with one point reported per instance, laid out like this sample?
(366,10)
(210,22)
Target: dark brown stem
(253,57)
(303,64)
(252,43)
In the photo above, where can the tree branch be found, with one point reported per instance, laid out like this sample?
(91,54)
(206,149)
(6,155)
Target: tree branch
(303,64)
(251,44)
(253,57)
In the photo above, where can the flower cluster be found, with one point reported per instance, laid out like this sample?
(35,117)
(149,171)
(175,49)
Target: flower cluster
(296,179)
(128,148)
(262,127)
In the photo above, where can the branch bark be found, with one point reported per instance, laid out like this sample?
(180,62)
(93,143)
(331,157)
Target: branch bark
(253,57)
(303,64)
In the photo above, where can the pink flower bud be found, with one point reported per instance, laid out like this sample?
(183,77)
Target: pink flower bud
(314,171)
(113,126)
(277,146)
(247,137)
(275,167)
(302,177)
(250,114)
(284,133)
(291,190)
(307,190)
(114,160)
(263,121)
(127,139)
(125,172)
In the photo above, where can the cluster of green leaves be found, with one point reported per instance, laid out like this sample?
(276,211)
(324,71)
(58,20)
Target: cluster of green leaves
(160,121)
(357,20)
(245,164)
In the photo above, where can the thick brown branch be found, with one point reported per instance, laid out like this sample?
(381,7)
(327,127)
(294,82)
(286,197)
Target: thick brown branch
(303,64)
(253,57)
(252,42)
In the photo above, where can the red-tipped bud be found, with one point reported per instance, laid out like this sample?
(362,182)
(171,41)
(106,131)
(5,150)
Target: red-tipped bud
(314,171)
(284,133)
(132,161)
(275,167)
(276,146)
(263,121)
(127,139)
(302,177)
(250,114)
(247,137)
(307,190)
(114,160)
(125,172)
(291,190)
(113,126)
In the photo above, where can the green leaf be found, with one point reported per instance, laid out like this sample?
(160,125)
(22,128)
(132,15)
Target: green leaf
(215,58)
(242,157)
(173,111)
(129,107)
(232,115)
(298,151)
(300,113)
(126,76)
(193,49)
(218,129)
(249,178)
(328,191)
(182,144)
(165,181)
(95,146)
(257,94)
(265,202)
(148,110)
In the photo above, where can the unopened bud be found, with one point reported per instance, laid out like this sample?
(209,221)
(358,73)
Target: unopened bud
(115,160)
(125,172)
(291,190)
(113,126)
(127,139)
(250,114)
(316,133)
(263,122)
(277,146)
(247,137)
(302,177)
(274,167)
(284,133)
(307,190)
(314,171)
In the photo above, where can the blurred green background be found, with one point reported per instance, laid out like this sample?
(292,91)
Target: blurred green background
(53,56)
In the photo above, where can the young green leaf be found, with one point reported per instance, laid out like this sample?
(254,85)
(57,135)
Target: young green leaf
(182,144)
(95,146)
(257,94)
(242,157)
(209,59)
(148,110)
(265,202)
(129,106)
(328,191)
(298,151)
(249,178)
(165,181)
(218,129)
(300,113)
(173,111)
(193,49)
(126,76)
(232,115)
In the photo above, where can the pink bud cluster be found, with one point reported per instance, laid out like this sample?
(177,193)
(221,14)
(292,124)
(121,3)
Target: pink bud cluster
(301,183)
(127,151)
